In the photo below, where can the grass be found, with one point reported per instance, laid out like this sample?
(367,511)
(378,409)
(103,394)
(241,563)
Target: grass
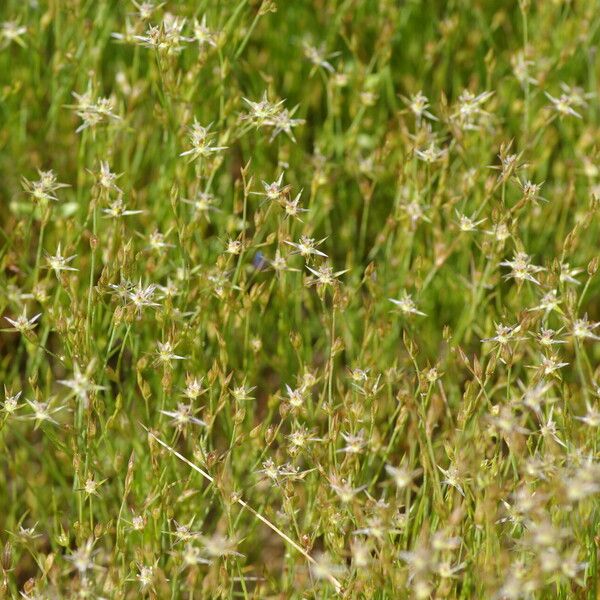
(299,299)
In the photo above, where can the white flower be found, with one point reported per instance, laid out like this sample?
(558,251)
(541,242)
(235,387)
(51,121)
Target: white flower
(218,545)
(22,323)
(93,112)
(82,558)
(419,105)
(402,475)
(521,268)
(318,57)
(142,296)
(431,154)
(262,112)
(59,263)
(11,402)
(203,35)
(165,353)
(504,334)
(81,384)
(146,576)
(407,305)
(325,275)
(563,105)
(201,142)
(43,411)
(183,416)
(451,475)
(45,188)
(583,328)
(467,224)
(355,442)
(11,31)
(117,209)
(307,247)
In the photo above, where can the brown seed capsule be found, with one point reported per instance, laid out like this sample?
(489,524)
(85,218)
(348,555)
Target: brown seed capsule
(270,434)
(295,339)
(7,557)
(129,476)
(211,459)
(29,586)
(306,541)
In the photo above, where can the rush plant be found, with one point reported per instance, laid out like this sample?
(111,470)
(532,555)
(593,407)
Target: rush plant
(299,299)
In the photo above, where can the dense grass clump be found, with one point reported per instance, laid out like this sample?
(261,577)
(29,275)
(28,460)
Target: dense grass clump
(299,299)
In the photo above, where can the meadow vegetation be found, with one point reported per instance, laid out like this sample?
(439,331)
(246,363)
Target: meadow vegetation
(299,299)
